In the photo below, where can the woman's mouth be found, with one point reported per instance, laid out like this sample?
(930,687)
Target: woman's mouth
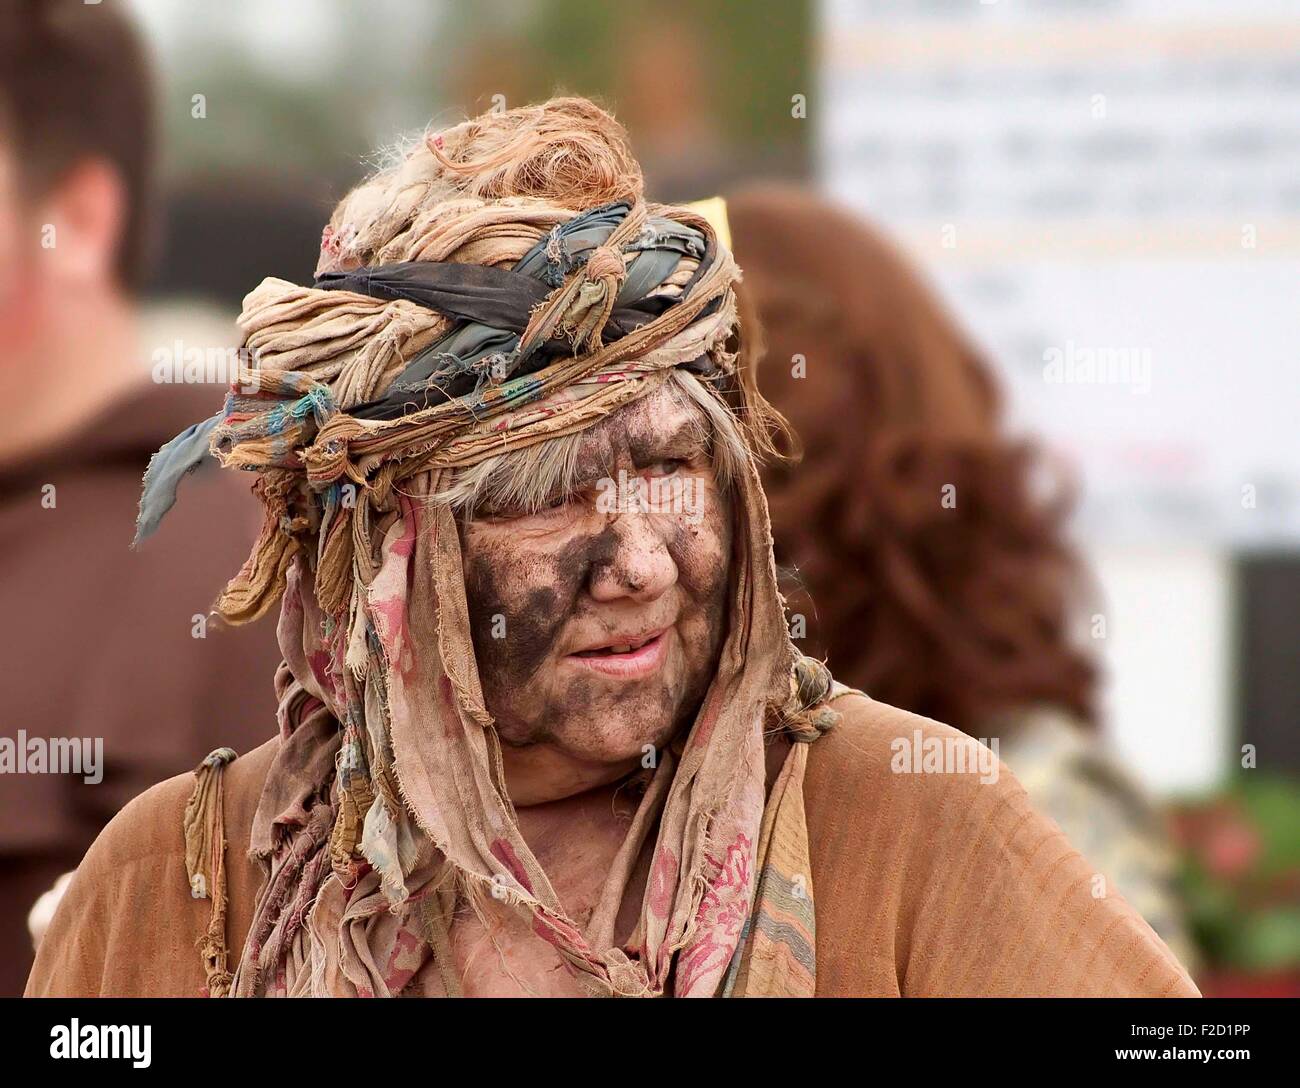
(629,659)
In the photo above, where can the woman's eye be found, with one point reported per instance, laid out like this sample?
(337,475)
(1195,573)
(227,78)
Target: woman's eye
(668,467)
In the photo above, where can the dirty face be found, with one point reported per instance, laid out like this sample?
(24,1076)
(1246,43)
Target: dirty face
(598,622)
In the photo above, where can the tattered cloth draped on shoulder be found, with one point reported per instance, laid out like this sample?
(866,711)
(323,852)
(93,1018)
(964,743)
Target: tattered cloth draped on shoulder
(487,324)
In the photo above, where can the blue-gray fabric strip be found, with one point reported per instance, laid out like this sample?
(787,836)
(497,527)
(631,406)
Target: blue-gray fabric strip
(171,464)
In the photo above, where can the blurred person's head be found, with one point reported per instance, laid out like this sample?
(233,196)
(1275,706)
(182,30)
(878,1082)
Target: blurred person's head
(927,560)
(76,157)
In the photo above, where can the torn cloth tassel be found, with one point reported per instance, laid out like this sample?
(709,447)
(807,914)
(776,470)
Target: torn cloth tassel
(205,862)
(585,317)
(582,307)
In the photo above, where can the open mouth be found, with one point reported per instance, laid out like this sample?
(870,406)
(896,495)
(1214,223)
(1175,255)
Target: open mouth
(628,658)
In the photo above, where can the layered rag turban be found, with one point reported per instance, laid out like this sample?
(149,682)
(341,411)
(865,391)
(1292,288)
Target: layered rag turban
(482,325)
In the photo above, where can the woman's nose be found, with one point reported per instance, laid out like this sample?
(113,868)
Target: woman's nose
(638,563)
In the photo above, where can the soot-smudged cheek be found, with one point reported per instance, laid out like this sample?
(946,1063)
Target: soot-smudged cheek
(515,613)
(525,595)
(702,548)
(527,591)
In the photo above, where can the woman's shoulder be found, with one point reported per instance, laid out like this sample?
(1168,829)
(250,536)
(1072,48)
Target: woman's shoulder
(150,827)
(935,875)
(127,924)
(902,756)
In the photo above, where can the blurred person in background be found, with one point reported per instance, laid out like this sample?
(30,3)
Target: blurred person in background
(962,605)
(112,645)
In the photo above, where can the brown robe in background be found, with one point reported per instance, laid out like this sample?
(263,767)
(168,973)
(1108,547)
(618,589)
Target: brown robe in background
(97,639)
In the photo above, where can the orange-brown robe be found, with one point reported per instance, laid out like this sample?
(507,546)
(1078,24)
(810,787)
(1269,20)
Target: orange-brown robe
(925,884)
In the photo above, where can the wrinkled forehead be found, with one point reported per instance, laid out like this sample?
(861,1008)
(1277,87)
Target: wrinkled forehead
(661,426)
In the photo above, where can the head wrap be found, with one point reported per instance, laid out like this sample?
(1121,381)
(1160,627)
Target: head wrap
(504,285)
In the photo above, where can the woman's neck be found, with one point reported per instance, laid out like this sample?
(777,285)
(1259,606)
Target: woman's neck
(540,773)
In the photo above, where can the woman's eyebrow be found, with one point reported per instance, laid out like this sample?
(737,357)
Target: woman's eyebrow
(684,442)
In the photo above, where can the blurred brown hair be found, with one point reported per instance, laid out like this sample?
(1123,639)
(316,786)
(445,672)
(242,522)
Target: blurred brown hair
(954,613)
(75,84)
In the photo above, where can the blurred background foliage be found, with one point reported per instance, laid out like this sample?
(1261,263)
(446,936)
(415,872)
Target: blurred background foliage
(1241,880)
(705,88)
(300,99)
